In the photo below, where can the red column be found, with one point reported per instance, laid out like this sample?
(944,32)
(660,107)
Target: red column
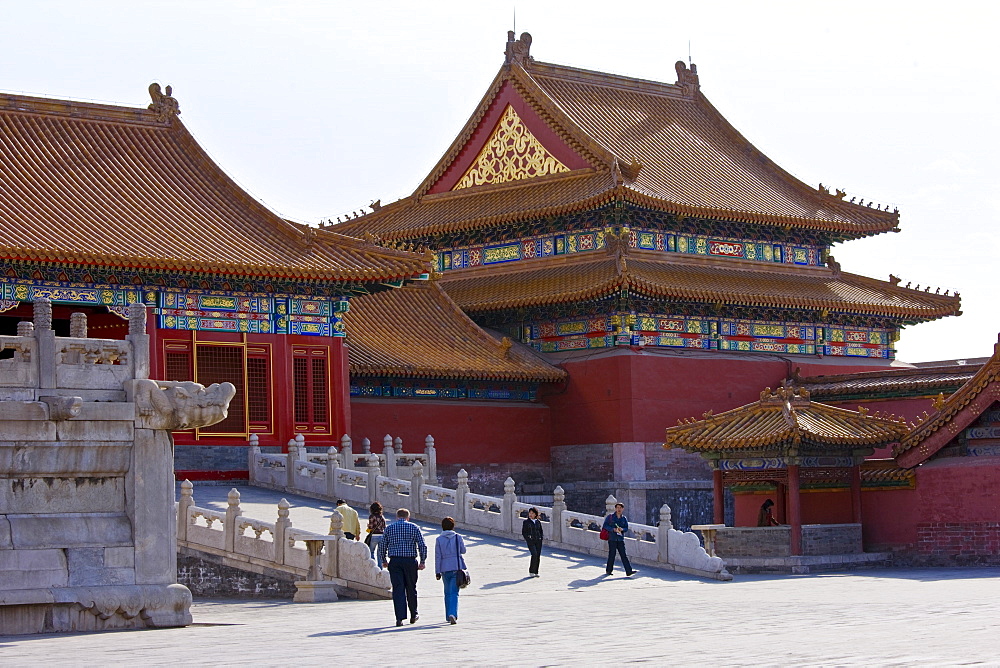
(795,509)
(856,492)
(781,514)
(718,498)
(340,389)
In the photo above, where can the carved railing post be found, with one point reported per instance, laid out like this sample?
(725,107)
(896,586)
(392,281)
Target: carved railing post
(347,452)
(432,460)
(416,487)
(300,446)
(507,507)
(139,339)
(253,456)
(290,458)
(366,447)
(232,513)
(184,509)
(373,473)
(78,325)
(609,504)
(336,524)
(663,535)
(332,459)
(390,458)
(281,527)
(333,548)
(558,506)
(397,443)
(461,489)
(46,341)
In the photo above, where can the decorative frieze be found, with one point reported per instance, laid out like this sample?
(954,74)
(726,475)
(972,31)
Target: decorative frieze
(585,240)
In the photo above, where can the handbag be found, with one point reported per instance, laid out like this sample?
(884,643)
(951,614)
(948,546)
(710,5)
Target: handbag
(462,577)
(368,539)
(604,532)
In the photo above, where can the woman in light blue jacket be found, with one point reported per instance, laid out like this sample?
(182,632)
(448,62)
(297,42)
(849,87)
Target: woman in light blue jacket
(448,560)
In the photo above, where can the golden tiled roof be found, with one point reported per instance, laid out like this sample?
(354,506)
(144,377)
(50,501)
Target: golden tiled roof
(658,145)
(98,184)
(896,381)
(950,416)
(668,276)
(418,331)
(781,419)
(484,206)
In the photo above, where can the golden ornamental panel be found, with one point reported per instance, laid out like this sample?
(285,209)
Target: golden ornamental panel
(512,153)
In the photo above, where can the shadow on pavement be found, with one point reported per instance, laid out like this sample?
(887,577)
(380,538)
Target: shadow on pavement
(377,630)
(504,583)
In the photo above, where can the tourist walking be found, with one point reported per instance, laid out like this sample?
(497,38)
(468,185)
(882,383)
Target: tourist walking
(376,527)
(531,529)
(351,527)
(402,544)
(448,561)
(616,524)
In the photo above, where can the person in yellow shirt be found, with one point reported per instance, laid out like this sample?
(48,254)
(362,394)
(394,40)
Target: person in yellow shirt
(352,527)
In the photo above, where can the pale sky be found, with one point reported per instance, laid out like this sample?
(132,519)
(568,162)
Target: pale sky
(317,108)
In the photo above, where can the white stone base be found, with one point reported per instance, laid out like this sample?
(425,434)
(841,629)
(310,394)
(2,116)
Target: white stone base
(63,609)
(310,591)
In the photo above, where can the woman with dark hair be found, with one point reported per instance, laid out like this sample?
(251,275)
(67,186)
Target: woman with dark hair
(531,529)
(764,516)
(376,527)
(448,560)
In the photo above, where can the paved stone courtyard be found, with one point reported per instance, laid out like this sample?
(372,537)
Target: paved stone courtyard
(572,615)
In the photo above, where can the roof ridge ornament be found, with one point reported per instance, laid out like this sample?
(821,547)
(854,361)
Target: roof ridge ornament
(518,51)
(687,78)
(164,104)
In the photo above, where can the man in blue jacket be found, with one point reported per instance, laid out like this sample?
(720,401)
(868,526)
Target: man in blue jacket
(616,524)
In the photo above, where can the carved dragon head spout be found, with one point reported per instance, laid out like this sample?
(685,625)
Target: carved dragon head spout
(173,405)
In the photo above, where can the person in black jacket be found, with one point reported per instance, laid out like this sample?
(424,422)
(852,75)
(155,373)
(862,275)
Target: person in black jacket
(531,529)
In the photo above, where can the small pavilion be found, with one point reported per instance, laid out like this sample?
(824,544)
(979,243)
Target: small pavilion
(791,442)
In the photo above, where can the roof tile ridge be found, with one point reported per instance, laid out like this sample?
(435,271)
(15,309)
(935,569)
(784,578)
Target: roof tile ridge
(609,79)
(451,153)
(559,120)
(80,110)
(486,221)
(369,218)
(503,345)
(895,287)
(740,215)
(716,117)
(226,186)
(510,185)
(959,399)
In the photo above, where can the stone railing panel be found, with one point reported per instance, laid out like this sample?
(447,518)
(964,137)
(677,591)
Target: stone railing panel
(93,364)
(437,501)
(366,482)
(484,511)
(19,370)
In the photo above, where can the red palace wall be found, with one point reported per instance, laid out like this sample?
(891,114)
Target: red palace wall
(634,396)
(465,432)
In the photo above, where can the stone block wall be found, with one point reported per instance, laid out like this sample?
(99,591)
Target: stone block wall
(587,462)
(753,542)
(488,478)
(966,543)
(818,539)
(214,580)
